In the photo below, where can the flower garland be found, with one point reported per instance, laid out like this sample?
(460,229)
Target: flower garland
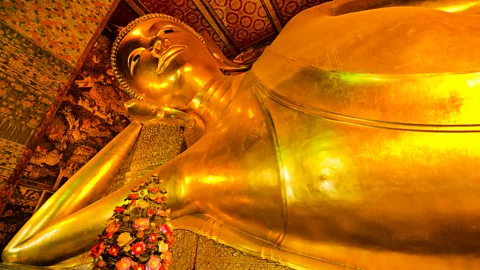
(138,236)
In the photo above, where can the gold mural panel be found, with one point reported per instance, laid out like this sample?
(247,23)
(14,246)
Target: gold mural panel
(212,255)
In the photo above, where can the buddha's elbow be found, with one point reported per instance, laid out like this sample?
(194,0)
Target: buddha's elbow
(9,255)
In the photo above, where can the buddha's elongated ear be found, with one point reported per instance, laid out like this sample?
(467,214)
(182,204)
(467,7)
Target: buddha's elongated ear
(225,65)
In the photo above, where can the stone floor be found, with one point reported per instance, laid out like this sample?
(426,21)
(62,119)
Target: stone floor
(18,266)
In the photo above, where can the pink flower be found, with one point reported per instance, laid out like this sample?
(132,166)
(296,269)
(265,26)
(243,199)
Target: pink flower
(141,224)
(138,248)
(154,263)
(165,229)
(124,264)
(150,212)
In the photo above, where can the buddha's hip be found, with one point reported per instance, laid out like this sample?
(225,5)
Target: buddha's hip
(377,187)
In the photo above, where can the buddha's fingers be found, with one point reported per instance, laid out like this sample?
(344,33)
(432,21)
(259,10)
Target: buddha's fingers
(68,237)
(85,187)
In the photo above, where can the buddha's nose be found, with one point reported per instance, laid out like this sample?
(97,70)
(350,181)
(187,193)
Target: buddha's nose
(160,46)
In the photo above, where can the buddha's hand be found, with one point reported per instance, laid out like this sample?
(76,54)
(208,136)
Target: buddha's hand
(143,111)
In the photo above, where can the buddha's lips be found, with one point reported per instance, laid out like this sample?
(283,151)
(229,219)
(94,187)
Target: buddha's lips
(167,56)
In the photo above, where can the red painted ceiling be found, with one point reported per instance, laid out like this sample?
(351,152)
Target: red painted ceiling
(234,25)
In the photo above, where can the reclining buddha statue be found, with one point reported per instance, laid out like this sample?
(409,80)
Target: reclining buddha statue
(352,142)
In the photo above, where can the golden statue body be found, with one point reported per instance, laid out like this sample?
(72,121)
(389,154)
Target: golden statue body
(352,142)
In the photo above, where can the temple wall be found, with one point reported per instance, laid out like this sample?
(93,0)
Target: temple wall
(42,47)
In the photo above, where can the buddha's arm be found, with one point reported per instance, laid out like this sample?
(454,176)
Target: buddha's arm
(339,7)
(66,237)
(85,187)
(73,234)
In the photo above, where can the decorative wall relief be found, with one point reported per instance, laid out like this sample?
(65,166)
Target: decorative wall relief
(90,115)
(63,28)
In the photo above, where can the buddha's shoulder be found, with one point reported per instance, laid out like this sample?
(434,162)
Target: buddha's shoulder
(387,40)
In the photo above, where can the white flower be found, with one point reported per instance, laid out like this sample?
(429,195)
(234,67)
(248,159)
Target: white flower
(124,239)
(162,246)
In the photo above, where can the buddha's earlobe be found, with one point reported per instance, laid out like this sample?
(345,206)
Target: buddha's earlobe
(225,65)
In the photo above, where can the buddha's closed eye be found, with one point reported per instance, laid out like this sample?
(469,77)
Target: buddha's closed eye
(133,59)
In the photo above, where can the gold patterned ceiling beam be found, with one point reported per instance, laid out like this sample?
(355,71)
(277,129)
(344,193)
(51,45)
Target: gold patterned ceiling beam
(137,6)
(273,14)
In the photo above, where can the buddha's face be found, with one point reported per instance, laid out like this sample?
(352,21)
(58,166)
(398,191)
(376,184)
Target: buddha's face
(165,63)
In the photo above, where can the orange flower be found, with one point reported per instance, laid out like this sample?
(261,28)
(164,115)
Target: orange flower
(114,250)
(97,250)
(135,188)
(101,263)
(167,257)
(153,190)
(141,224)
(170,241)
(161,199)
(150,212)
(138,248)
(154,263)
(133,196)
(139,267)
(119,209)
(124,264)
(113,228)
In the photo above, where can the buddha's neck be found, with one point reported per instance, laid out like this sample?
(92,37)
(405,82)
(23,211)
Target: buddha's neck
(215,97)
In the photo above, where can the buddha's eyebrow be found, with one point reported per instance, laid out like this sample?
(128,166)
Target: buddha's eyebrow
(167,31)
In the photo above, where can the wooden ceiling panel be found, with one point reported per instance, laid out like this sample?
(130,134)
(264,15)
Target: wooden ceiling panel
(122,15)
(245,21)
(234,25)
(187,11)
(289,8)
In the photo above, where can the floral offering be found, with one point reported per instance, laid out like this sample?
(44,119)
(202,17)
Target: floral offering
(138,235)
